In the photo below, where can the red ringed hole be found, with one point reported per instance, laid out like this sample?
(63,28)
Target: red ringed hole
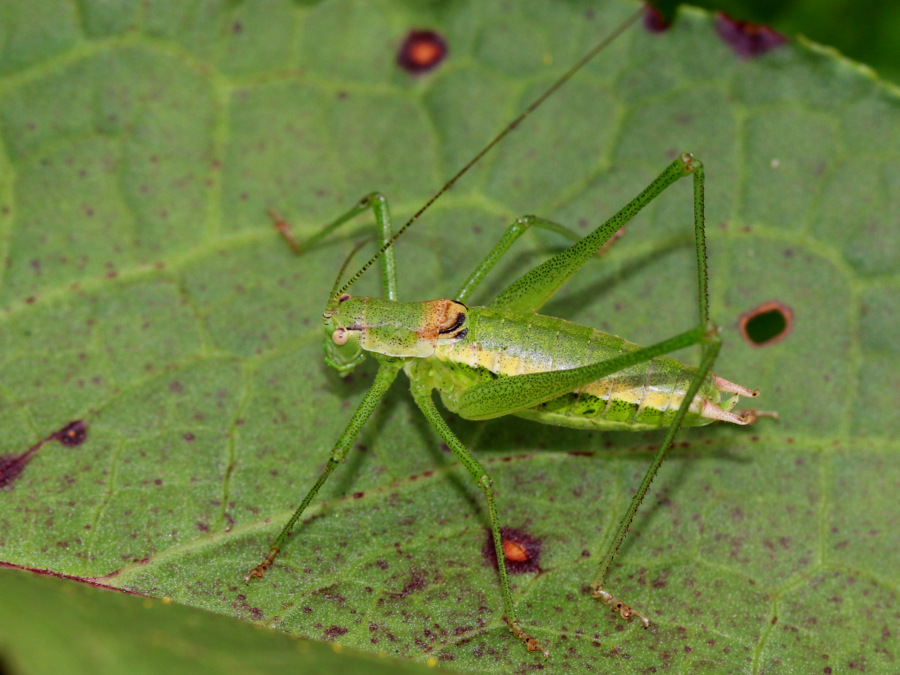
(767,324)
(421,51)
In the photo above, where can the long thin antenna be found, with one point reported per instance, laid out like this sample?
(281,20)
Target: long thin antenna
(499,137)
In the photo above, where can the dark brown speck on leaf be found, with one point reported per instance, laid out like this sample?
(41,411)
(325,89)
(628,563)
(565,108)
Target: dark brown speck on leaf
(11,466)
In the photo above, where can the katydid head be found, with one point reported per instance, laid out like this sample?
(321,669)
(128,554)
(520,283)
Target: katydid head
(342,348)
(342,313)
(397,329)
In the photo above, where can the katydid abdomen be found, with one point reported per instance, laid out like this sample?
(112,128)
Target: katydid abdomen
(496,343)
(504,343)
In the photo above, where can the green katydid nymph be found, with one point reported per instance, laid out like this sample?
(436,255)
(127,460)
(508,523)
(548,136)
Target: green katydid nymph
(507,359)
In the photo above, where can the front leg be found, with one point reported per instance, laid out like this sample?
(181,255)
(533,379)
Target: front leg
(422,395)
(379,205)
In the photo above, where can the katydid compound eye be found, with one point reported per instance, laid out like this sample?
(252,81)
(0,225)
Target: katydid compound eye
(340,336)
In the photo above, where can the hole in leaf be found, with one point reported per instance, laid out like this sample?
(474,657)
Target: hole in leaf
(769,323)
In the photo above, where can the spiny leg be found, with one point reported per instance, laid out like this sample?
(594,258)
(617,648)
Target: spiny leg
(513,232)
(387,373)
(375,201)
(536,287)
(711,348)
(422,396)
(711,343)
(508,395)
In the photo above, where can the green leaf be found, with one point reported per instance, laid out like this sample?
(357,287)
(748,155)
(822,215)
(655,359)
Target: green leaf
(98,631)
(145,293)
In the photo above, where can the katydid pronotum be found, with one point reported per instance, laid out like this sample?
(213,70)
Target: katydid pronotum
(506,359)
